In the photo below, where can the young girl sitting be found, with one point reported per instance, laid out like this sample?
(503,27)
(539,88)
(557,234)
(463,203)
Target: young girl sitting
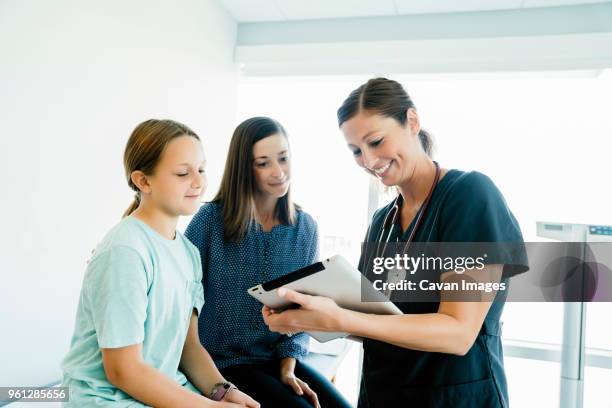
(136,341)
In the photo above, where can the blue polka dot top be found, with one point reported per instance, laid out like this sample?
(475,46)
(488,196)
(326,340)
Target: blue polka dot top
(231,326)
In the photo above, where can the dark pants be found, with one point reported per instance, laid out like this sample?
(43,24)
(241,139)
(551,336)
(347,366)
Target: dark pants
(262,382)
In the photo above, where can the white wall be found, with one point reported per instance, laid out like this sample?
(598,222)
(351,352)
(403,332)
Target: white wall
(75,78)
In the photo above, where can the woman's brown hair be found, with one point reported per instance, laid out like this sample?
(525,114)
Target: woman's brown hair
(145,147)
(236,194)
(386,98)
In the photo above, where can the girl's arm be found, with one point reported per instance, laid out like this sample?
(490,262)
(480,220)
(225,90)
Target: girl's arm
(201,370)
(196,363)
(126,370)
(452,329)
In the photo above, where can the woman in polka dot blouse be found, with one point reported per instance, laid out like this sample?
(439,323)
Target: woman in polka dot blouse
(250,233)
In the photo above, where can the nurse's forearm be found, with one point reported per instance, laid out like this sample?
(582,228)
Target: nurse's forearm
(434,332)
(452,329)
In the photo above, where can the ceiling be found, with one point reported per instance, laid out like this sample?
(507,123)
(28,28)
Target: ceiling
(245,11)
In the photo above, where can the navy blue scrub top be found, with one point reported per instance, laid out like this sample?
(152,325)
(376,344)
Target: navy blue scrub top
(464,207)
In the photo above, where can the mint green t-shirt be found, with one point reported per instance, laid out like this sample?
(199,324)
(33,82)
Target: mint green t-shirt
(139,287)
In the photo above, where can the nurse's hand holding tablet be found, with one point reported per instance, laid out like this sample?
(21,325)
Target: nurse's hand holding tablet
(316,313)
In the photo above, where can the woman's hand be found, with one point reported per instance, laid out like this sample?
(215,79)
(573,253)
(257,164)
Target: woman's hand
(238,397)
(287,376)
(316,313)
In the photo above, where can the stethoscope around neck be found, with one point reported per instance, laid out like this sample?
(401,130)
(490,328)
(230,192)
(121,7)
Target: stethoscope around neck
(390,221)
(391,218)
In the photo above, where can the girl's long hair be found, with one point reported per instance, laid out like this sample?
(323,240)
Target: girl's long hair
(236,194)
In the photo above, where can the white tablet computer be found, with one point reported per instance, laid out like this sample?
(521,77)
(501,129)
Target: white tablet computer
(334,278)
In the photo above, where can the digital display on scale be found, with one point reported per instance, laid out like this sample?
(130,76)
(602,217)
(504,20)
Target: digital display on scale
(600,230)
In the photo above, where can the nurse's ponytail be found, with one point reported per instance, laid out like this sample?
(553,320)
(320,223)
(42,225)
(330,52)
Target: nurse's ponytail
(384,97)
(426,142)
(145,147)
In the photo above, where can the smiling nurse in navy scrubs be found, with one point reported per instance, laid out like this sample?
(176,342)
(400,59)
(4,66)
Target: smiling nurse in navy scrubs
(444,354)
